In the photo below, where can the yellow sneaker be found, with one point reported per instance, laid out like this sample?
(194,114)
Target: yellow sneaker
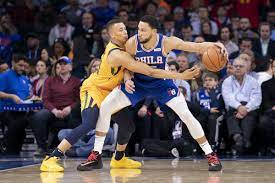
(51,177)
(124,163)
(123,175)
(51,165)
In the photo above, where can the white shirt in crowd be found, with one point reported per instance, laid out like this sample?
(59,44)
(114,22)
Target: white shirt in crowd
(233,93)
(262,77)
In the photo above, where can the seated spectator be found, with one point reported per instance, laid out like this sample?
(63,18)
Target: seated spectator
(174,67)
(60,98)
(225,38)
(73,12)
(84,41)
(183,62)
(62,29)
(60,48)
(14,89)
(264,71)
(248,57)
(244,44)
(33,51)
(206,32)
(103,12)
(3,66)
(8,38)
(267,121)
(93,66)
(42,69)
(211,103)
(264,47)
(245,31)
(242,97)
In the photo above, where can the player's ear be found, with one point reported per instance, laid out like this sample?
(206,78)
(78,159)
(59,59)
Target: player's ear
(155,30)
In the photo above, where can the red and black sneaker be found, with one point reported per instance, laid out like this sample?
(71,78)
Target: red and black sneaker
(94,161)
(213,162)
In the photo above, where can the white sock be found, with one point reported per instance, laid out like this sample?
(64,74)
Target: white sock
(206,148)
(99,142)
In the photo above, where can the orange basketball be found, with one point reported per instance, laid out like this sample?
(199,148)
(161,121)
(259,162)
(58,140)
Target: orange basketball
(213,60)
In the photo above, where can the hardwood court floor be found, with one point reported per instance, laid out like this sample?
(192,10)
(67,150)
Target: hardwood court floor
(153,171)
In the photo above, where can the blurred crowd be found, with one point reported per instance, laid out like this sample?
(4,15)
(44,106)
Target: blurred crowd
(47,48)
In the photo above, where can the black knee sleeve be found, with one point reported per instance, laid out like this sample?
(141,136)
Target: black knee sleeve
(126,125)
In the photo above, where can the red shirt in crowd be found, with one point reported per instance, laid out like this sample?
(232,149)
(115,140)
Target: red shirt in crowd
(59,95)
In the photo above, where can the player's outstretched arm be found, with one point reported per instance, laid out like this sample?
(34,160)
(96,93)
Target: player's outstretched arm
(124,59)
(171,43)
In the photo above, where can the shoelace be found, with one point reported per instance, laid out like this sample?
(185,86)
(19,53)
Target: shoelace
(92,157)
(213,159)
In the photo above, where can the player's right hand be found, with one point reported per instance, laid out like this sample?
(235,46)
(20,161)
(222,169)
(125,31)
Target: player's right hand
(129,86)
(191,73)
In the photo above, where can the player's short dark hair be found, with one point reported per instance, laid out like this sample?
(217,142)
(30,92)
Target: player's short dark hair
(151,20)
(18,57)
(175,64)
(211,75)
(112,22)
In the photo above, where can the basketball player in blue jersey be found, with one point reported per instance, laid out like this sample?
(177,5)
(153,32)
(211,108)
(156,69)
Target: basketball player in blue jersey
(151,48)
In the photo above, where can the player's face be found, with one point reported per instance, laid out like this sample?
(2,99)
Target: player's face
(119,32)
(145,32)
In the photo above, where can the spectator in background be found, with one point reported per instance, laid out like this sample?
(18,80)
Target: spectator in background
(265,71)
(225,38)
(264,47)
(151,8)
(249,58)
(132,25)
(73,12)
(84,43)
(103,12)
(33,52)
(56,69)
(174,67)
(267,121)
(60,97)
(203,17)
(235,23)
(3,66)
(123,16)
(161,14)
(63,29)
(45,57)
(186,31)
(271,20)
(222,19)
(206,32)
(244,44)
(105,38)
(14,89)
(210,100)
(42,69)
(93,66)
(8,38)
(245,31)
(183,62)
(60,48)
(169,27)
(178,14)
(242,96)
(45,19)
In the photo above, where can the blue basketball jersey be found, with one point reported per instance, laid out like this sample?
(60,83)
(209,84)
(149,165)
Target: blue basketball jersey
(161,90)
(154,58)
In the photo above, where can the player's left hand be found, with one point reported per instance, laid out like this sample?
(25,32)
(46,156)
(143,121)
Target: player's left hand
(129,86)
(222,49)
(191,73)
